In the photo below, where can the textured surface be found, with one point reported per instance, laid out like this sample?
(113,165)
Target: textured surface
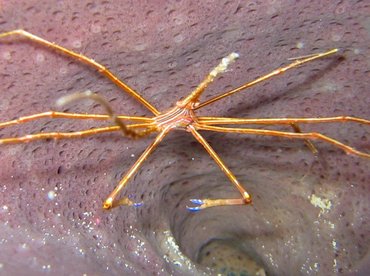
(163,50)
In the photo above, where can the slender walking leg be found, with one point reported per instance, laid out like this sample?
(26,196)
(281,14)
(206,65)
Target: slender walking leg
(279,121)
(67,115)
(100,68)
(111,201)
(205,203)
(278,71)
(292,135)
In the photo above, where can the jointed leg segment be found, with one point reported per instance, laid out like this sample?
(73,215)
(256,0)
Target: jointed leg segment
(133,130)
(58,135)
(279,121)
(111,201)
(292,135)
(100,68)
(205,203)
(308,143)
(66,115)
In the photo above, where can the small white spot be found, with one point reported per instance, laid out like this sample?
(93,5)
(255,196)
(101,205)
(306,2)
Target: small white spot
(335,264)
(178,38)
(356,51)
(63,70)
(81,251)
(46,267)
(77,43)
(51,195)
(23,247)
(4,209)
(132,155)
(61,101)
(331,225)
(177,263)
(336,37)
(95,28)
(172,64)
(323,203)
(300,45)
(179,19)
(7,55)
(225,62)
(40,58)
(341,8)
(334,244)
(140,47)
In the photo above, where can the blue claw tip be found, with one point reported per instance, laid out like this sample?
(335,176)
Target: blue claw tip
(197,201)
(139,204)
(193,209)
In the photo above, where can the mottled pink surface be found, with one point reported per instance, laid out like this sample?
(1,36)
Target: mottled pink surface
(163,50)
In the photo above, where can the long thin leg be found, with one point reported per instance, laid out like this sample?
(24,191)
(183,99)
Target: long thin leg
(111,201)
(77,134)
(293,135)
(279,121)
(276,72)
(100,68)
(67,115)
(205,203)
(291,121)
(104,103)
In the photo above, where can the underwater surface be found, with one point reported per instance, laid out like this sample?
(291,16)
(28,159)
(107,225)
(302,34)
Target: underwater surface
(310,215)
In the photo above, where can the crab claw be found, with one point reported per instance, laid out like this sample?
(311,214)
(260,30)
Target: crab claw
(193,209)
(196,208)
(138,204)
(197,201)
